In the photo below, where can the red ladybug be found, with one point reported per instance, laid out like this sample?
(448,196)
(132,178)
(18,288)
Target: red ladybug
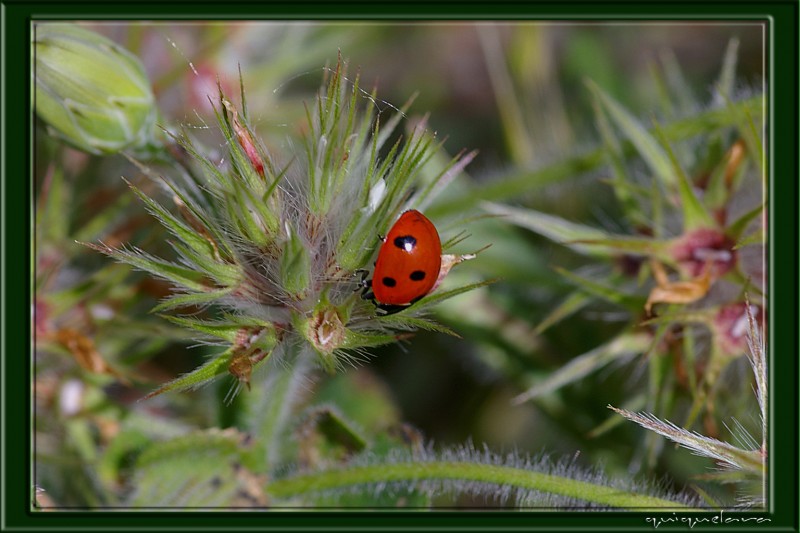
(408,263)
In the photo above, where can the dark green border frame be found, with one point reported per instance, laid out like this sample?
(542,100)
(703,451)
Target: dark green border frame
(15,194)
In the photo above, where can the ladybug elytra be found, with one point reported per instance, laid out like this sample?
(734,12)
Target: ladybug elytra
(408,263)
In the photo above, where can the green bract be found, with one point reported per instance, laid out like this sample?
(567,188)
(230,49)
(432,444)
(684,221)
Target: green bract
(92,93)
(273,246)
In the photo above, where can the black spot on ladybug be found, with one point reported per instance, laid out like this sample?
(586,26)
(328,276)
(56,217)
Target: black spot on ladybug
(389,282)
(405,242)
(417,275)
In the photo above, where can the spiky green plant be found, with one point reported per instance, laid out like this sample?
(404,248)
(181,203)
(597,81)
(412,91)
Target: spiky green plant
(90,331)
(276,246)
(267,246)
(691,204)
(743,463)
(275,251)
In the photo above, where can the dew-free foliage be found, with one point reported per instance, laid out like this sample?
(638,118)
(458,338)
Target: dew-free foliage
(218,353)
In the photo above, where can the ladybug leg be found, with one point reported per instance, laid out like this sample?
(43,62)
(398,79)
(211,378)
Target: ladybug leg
(367,294)
(364,285)
(363,281)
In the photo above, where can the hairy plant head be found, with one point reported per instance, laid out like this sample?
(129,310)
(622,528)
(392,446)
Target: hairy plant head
(275,243)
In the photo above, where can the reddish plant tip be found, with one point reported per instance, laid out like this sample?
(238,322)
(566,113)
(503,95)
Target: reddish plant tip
(694,250)
(732,325)
(41,315)
(245,139)
(249,147)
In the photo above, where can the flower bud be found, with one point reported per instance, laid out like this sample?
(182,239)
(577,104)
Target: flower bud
(326,332)
(732,326)
(295,265)
(245,139)
(704,248)
(91,92)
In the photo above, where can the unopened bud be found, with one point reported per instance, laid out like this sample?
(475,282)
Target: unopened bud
(732,326)
(326,332)
(704,248)
(90,91)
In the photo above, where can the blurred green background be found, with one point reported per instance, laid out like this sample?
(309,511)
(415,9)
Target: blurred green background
(515,92)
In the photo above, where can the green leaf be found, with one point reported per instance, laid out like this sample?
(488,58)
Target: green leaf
(213,173)
(192,299)
(202,469)
(731,456)
(519,142)
(657,210)
(142,260)
(738,227)
(751,132)
(197,377)
(53,210)
(229,331)
(718,189)
(382,135)
(572,304)
(216,233)
(647,146)
(524,183)
(339,437)
(622,244)
(357,339)
(620,348)
(757,237)
(444,177)
(631,302)
(251,217)
(659,387)
(112,463)
(682,316)
(623,183)
(695,214)
(677,82)
(727,75)
(295,265)
(690,353)
(583,239)
(412,322)
(177,227)
(443,295)
(553,227)
(224,274)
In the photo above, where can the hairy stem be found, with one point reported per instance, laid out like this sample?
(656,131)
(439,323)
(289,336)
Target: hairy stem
(467,472)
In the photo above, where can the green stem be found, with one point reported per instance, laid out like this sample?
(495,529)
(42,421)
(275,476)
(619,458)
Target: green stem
(464,471)
(270,406)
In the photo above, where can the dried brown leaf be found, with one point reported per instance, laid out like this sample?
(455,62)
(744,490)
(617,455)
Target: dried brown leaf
(676,292)
(85,352)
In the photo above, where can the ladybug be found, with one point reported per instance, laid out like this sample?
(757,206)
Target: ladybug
(408,263)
